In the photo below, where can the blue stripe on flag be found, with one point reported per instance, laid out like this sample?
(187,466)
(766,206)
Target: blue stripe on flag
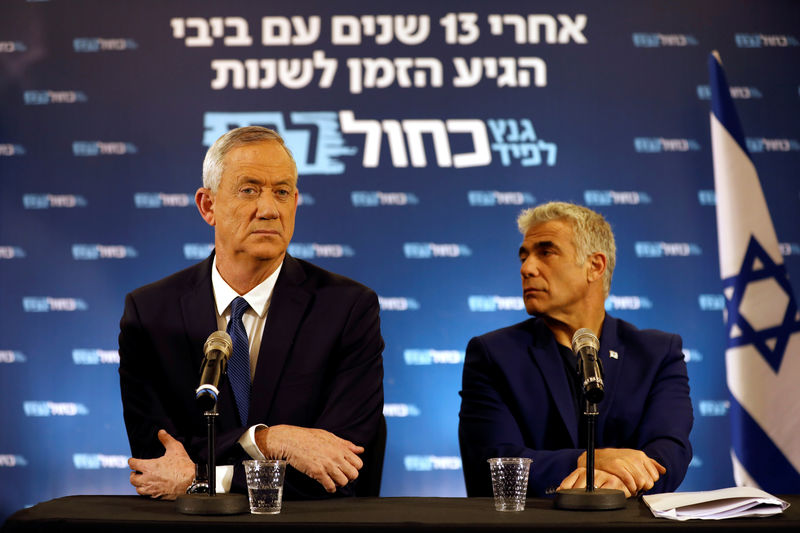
(722,103)
(759,455)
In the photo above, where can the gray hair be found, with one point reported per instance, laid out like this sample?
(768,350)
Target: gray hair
(215,156)
(591,232)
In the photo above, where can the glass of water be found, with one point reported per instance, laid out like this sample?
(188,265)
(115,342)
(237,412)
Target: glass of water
(510,482)
(265,485)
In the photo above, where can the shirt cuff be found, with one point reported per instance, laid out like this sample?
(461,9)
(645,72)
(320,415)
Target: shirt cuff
(248,442)
(224,475)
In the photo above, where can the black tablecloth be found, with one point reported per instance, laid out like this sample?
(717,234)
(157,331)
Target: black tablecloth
(134,513)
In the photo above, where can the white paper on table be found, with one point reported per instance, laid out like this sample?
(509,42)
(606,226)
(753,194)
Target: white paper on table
(734,502)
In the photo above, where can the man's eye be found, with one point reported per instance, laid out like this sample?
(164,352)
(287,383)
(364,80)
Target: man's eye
(248,190)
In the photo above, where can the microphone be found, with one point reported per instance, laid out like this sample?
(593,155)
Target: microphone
(217,350)
(585,346)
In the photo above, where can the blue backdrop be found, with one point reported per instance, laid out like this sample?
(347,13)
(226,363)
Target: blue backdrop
(420,132)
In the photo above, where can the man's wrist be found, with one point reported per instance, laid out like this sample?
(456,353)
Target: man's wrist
(269,441)
(250,443)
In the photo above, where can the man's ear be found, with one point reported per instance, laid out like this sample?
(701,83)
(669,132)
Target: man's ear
(204,199)
(597,263)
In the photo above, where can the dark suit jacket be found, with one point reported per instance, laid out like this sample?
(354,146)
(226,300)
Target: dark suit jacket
(319,366)
(516,402)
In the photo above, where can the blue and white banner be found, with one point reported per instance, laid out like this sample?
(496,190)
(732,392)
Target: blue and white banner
(761,317)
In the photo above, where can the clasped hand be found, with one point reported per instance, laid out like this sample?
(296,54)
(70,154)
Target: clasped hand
(319,454)
(164,477)
(630,471)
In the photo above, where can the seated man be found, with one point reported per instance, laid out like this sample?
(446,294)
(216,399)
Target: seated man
(306,383)
(521,396)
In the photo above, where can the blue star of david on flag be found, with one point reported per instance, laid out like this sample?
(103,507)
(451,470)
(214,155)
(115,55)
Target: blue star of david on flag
(760,271)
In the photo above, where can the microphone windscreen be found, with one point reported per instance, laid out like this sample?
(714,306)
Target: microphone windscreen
(584,337)
(221,341)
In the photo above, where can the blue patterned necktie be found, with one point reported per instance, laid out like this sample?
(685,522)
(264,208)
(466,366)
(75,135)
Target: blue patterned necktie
(239,362)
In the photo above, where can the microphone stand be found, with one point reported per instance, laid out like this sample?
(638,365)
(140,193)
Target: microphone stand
(591,498)
(205,500)
(211,417)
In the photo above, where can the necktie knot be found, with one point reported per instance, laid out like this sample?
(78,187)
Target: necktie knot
(238,308)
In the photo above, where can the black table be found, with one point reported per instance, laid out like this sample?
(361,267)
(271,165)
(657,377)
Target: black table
(134,513)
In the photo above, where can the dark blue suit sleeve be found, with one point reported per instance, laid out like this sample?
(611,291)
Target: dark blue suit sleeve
(353,403)
(663,433)
(143,409)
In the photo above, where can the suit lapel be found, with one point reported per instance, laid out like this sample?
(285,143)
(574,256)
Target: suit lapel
(199,312)
(612,356)
(199,321)
(286,311)
(545,355)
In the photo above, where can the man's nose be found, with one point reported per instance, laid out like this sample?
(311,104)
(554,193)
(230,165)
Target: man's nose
(529,267)
(267,206)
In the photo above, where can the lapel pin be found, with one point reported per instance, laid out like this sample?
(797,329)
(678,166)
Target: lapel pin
(613,355)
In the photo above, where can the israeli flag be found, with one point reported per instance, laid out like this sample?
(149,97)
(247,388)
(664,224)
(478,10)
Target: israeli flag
(761,318)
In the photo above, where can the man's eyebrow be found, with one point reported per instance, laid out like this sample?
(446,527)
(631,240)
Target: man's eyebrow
(287,181)
(544,244)
(538,245)
(245,178)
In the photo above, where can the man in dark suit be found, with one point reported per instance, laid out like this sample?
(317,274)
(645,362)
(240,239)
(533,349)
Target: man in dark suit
(521,396)
(314,395)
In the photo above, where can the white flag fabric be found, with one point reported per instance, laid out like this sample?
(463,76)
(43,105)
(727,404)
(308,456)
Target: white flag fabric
(761,317)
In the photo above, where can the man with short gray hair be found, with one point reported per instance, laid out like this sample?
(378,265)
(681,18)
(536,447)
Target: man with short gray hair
(309,371)
(521,396)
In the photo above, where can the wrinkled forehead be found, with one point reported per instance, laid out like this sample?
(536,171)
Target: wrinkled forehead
(551,230)
(260,160)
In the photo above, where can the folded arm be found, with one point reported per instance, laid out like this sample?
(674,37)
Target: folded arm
(329,451)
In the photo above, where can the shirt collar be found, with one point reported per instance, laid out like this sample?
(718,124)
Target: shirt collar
(258,298)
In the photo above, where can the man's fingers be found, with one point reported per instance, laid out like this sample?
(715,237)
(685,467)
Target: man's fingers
(167,440)
(572,479)
(349,445)
(651,469)
(354,460)
(355,448)
(164,437)
(602,479)
(613,482)
(338,477)
(349,471)
(647,473)
(326,482)
(659,467)
(626,477)
(654,470)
